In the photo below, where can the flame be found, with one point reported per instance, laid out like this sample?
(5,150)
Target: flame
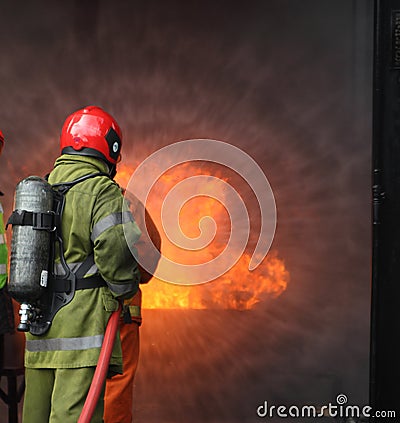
(238,288)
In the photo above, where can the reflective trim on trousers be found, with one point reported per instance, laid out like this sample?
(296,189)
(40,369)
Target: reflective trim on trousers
(2,239)
(64,344)
(3,269)
(109,221)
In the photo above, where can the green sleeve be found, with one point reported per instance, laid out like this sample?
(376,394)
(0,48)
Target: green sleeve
(112,254)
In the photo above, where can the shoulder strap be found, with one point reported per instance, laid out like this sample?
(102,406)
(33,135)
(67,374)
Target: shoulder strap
(60,189)
(63,187)
(70,278)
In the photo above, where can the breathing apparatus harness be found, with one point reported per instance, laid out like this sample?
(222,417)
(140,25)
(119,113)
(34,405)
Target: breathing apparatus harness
(55,291)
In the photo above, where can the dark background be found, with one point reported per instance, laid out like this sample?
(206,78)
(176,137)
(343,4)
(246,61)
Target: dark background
(287,81)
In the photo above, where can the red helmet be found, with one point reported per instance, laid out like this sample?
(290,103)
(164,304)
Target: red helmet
(92,132)
(1,142)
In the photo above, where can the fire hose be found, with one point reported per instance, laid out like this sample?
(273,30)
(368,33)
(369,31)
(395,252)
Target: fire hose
(101,369)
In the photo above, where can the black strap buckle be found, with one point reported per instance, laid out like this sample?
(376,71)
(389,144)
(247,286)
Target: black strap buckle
(44,221)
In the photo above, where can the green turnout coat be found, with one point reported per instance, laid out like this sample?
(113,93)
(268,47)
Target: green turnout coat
(94,220)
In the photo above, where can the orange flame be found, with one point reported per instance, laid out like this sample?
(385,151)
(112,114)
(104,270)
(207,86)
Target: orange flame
(238,288)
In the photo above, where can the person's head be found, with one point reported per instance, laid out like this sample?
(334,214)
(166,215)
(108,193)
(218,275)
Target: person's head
(92,132)
(1,142)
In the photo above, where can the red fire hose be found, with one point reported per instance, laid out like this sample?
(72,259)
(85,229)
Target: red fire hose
(101,369)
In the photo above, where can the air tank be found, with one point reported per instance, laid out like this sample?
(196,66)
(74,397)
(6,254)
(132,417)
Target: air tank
(30,246)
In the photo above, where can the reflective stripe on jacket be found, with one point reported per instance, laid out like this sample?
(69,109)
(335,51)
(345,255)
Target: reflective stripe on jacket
(94,221)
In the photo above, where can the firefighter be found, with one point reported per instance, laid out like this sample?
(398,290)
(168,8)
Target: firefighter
(6,308)
(95,225)
(118,400)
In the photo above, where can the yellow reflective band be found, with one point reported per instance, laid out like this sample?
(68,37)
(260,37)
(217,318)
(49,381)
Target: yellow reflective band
(73,267)
(64,344)
(109,221)
(3,257)
(3,280)
(135,311)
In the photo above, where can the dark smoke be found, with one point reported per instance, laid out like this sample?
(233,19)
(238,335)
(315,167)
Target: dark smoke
(287,81)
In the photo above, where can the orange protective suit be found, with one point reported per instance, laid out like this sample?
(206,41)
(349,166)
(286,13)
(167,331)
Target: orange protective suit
(118,399)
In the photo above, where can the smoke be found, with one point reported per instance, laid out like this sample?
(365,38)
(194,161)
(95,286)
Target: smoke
(287,82)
